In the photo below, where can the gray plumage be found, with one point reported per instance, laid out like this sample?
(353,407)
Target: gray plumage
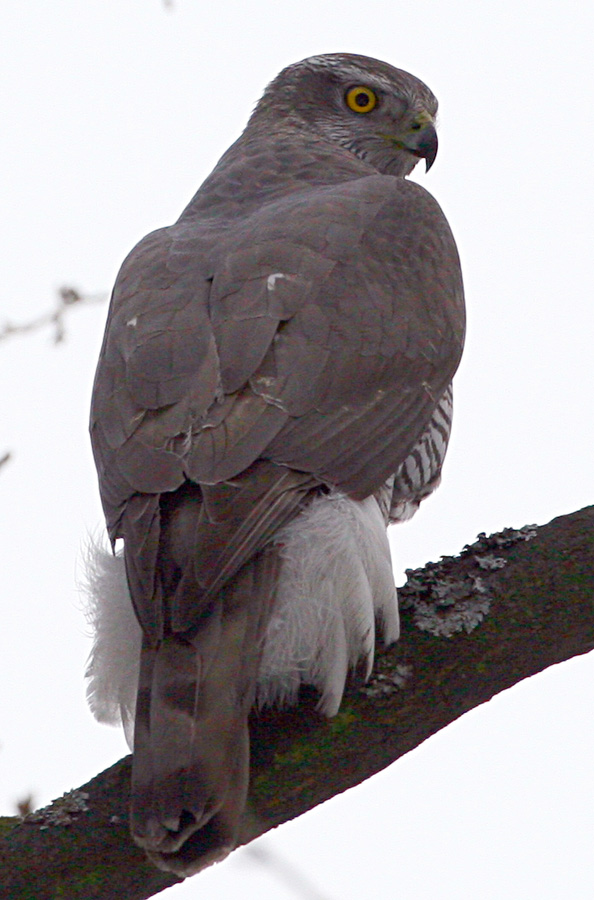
(274,387)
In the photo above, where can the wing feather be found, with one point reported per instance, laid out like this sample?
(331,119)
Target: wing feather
(318,332)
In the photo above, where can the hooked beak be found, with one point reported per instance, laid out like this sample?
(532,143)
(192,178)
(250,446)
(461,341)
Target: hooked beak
(424,145)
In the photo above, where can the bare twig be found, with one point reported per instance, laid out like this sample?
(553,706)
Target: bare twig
(67,296)
(287,874)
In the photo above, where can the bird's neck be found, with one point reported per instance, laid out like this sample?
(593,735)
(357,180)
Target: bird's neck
(254,171)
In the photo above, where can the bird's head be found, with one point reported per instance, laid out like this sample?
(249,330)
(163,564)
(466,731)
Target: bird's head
(383,115)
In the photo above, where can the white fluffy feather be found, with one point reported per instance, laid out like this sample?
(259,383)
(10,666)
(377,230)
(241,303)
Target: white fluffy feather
(335,580)
(113,665)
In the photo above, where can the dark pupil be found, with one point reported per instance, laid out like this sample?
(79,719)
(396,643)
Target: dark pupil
(362,99)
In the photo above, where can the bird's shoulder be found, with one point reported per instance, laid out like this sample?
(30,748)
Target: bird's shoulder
(223,326)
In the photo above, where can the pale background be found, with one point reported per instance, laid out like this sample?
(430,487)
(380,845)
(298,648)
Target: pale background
(112,113)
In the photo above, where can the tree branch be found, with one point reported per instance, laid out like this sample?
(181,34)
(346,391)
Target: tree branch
(67,297)
(513,604)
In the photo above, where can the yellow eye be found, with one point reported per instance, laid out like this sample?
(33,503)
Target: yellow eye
(361,99)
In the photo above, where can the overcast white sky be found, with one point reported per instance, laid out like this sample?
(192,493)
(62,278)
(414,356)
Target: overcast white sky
(113,112)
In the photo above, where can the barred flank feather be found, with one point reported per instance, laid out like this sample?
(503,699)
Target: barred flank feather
(420,473)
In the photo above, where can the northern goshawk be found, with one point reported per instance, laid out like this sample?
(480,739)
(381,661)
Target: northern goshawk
(273,389)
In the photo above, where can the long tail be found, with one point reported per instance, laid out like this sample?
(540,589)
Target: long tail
(191,744)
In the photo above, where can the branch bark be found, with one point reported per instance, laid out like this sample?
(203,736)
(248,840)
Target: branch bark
(525,597)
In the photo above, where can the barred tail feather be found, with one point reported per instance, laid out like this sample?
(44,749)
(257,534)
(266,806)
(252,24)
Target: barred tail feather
(190,767)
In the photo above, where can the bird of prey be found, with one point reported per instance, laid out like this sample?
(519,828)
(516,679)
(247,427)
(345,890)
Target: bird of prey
(274,387)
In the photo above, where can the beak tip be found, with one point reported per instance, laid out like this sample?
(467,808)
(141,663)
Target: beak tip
(427,146)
